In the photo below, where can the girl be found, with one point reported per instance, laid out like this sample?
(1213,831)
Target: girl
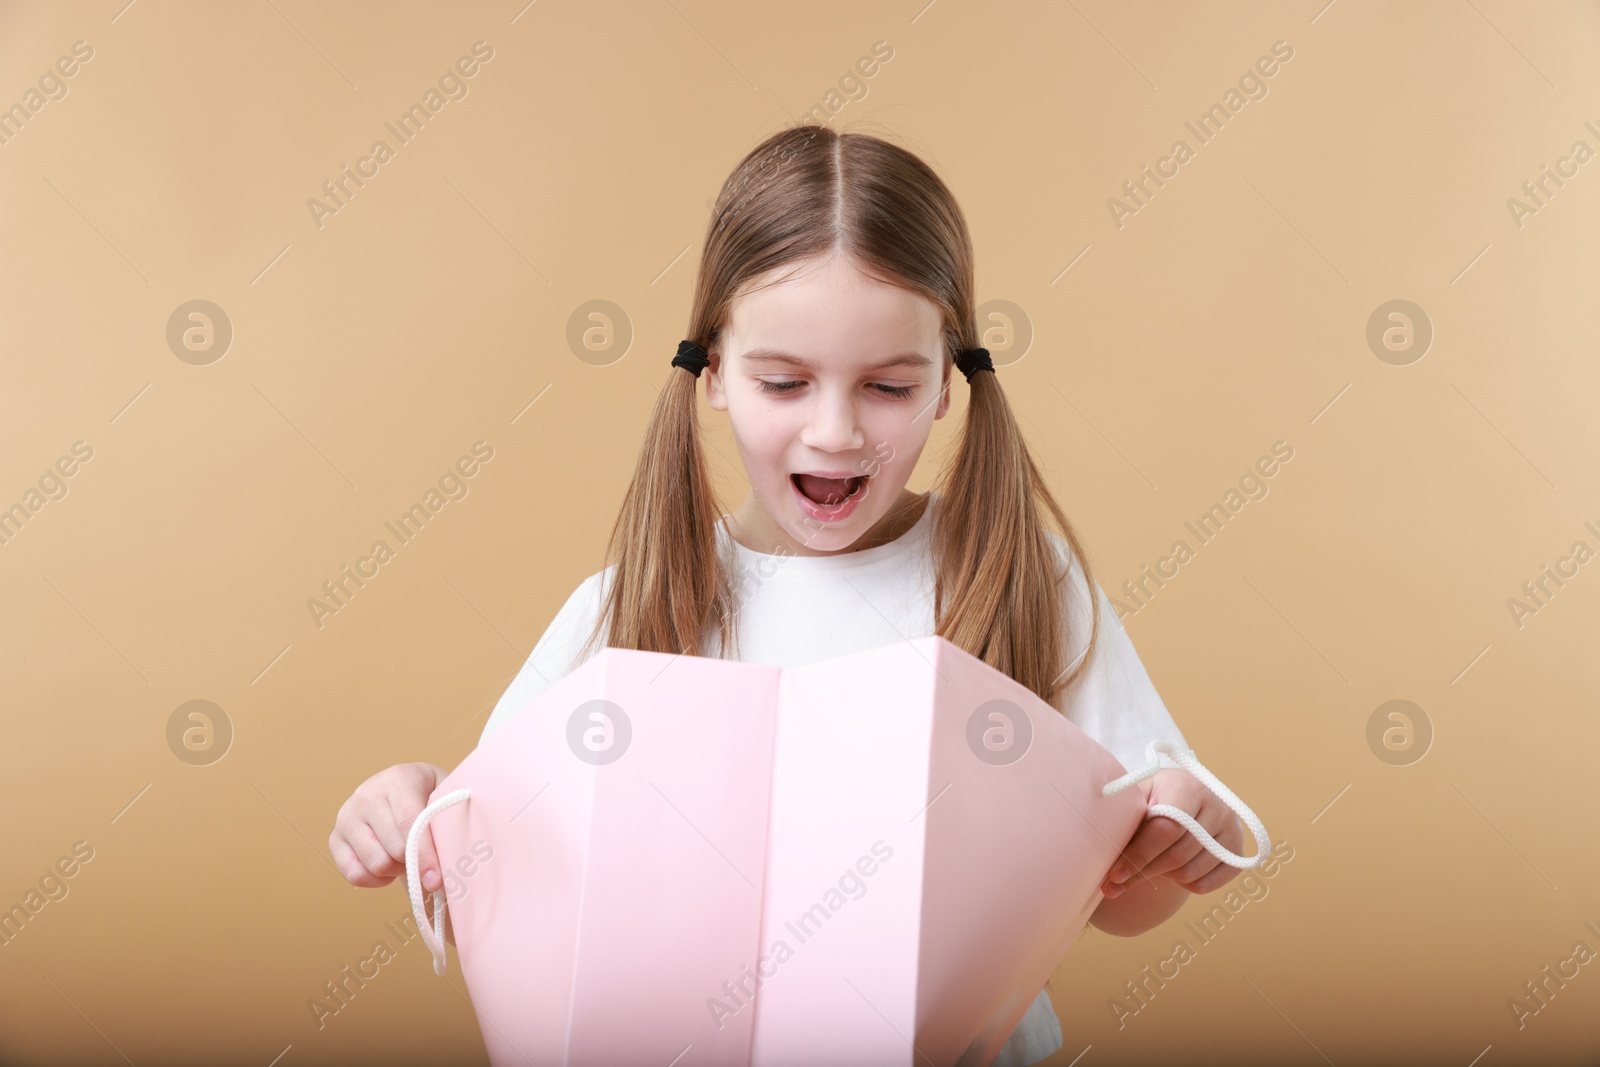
(834,300)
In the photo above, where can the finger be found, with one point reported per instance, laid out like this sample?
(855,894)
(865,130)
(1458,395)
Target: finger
(360,857)
(1177,854)
(1224,829)
(351,866)
(1155,836)
(1183,861)
(1203,863)
(428,862)
(367,846)
(1219,876)
(405,811)
(1196,868)
(389,828)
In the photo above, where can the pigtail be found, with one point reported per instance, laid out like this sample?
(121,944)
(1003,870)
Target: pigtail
(669,579)
(997,579)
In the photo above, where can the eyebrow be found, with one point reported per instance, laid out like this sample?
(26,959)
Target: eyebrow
(771,355)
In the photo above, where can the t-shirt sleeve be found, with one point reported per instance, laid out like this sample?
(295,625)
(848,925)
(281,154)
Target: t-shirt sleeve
(1113,701)
(556,653)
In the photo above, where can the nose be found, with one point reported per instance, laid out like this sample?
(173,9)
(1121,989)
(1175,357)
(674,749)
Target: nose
(832,424)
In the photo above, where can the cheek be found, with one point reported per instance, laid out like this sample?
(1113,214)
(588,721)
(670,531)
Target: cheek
(764,435)
(893,444)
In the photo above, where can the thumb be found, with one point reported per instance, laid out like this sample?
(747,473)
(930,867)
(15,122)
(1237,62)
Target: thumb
(408,803)
(428,862)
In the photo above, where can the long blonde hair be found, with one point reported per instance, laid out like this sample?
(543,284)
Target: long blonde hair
(805,192)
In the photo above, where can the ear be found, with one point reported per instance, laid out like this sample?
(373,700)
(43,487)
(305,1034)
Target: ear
(716,391)
(944,393)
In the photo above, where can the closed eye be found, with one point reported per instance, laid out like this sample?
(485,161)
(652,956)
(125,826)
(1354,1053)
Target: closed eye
(897,392)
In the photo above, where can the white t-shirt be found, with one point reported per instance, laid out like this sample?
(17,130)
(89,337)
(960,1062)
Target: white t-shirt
(797,609)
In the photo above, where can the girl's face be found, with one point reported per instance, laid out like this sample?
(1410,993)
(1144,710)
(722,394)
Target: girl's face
(827,374)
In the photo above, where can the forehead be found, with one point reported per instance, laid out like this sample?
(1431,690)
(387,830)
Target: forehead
(830,311)
(776,359)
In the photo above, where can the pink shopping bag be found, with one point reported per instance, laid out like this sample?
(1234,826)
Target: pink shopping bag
(873,859)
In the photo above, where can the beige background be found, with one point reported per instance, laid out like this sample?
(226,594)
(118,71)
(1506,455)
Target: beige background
(433,311)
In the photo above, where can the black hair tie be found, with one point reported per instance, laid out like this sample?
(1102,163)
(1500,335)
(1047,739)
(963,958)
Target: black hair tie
(691,357)
(974,360)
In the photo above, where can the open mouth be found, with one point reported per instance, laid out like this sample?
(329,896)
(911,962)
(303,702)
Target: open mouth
(827,492)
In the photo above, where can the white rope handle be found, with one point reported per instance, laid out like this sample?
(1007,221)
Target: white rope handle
(433,938)
(1186,760)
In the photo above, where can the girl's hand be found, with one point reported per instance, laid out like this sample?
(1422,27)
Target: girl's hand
(369,835)
(1163,847)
